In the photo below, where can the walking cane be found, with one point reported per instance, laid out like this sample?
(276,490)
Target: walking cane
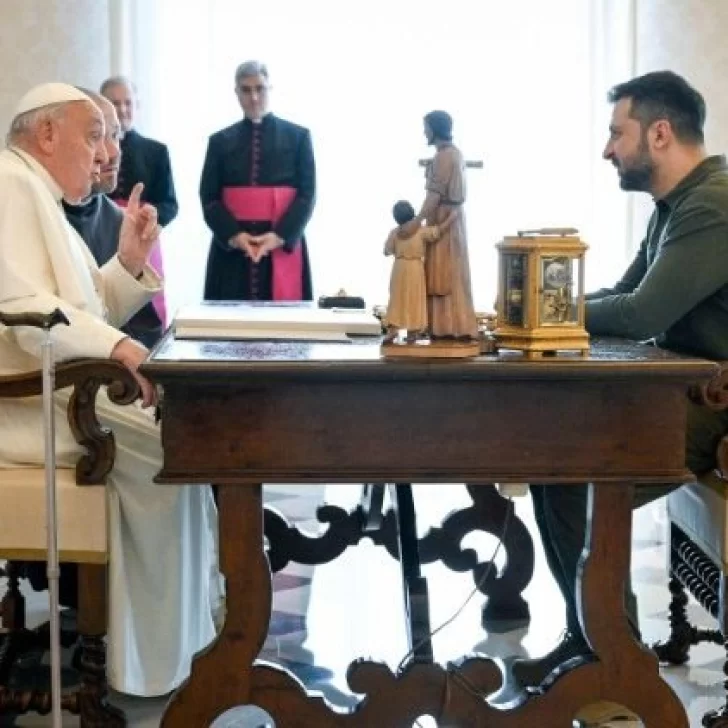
(47,322)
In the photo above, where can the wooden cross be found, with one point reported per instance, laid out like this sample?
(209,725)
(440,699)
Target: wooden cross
(469,163)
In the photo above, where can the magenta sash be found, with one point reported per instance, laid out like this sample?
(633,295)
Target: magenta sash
(268,204)
(155,261)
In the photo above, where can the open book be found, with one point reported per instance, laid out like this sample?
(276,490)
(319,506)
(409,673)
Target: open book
(292,321)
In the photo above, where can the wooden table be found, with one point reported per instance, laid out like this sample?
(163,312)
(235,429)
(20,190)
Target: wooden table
(246,413)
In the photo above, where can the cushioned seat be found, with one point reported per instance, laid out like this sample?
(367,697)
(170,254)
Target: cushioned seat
(82,530)
(700,510)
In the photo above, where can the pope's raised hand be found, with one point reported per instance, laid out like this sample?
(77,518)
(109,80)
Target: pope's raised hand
(139,232)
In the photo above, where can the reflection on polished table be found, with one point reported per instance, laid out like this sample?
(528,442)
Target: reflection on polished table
(239,414)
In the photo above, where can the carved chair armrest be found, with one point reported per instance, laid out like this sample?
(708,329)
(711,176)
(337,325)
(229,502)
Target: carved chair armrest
(714,392)
(86,376)
(714,395)
(721,457)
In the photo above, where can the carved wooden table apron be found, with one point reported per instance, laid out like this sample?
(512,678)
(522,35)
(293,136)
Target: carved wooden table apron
(242,414)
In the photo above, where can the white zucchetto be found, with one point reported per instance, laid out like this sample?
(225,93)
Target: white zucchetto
(46,94)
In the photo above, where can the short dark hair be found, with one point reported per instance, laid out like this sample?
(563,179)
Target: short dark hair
(664,95)
(403,212)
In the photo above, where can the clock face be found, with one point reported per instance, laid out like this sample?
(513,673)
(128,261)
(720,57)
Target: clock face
(557,273)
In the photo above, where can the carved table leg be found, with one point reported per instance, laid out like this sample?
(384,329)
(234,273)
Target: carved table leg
(494,514)
(287,543)
(220,678)
(417,601)
(490,512)
(623,671)
(629,671)
(371,504)
(225,676)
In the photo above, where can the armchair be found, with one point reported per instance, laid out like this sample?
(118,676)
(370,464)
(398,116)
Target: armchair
(82,538)
(698,515)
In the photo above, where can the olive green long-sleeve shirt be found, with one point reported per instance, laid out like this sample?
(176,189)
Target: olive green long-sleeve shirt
(676,289)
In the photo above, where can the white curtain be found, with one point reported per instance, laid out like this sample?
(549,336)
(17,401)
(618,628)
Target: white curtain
(525,81)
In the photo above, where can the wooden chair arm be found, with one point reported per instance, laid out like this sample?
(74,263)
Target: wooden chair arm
(721,457)
(713,393)
(86,376)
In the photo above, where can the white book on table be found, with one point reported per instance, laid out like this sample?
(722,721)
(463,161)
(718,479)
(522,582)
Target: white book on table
(300,322)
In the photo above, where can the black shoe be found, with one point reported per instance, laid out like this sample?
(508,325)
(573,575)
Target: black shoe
(531,673)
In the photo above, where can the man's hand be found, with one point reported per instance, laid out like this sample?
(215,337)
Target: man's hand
(139,232)
(264,244)
(245,243)
(131,354)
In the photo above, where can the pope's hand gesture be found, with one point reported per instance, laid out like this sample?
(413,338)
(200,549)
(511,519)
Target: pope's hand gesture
(139,232)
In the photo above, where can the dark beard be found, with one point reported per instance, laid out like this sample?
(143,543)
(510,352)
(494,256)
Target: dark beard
(637,176)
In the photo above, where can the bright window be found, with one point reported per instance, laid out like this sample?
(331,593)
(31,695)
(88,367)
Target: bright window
(517,77)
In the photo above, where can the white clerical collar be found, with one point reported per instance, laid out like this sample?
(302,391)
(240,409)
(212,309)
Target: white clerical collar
(41,171)
(258,121)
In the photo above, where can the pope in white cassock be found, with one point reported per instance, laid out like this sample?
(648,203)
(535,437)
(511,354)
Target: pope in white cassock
(163,561)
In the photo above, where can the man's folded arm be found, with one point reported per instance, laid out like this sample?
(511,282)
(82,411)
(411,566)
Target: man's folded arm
(691,266)
(630,280)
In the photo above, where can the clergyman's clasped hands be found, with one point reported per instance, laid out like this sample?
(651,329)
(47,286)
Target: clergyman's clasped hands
(256,247)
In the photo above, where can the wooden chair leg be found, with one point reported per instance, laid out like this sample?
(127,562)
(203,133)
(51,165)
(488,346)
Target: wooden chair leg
(676,650)
(12,615)
(719,718)
(94,709)
(691,570)
(12,605)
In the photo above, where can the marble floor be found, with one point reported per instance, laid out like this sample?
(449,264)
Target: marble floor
(318,627)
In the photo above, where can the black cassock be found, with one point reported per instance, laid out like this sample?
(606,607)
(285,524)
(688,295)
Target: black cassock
(273,153)
(147,160)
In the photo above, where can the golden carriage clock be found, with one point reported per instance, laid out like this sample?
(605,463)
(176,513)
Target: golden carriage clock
(540,308)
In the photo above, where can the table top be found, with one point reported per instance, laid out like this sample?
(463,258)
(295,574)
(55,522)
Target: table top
(361,359)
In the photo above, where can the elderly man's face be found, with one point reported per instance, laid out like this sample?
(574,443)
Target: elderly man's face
(75,149)
(125,103)
(109,176)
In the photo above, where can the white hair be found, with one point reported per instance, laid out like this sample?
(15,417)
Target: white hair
(118,81)
(250,68)
(24,124)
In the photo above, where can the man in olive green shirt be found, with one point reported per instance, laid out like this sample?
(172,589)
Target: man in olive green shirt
(675,292)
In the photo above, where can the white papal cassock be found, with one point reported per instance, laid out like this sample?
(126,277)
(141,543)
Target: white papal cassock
(162,538)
